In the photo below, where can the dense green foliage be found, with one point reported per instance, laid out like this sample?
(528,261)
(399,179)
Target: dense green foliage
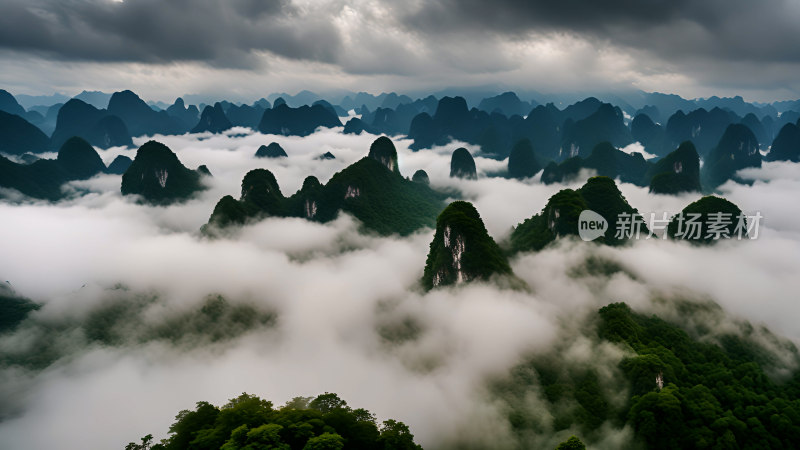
(573,443)
(676,387)
(380,198)
(158,176)
(248,422)
(462,249)
(560,216)
(715,395)
(711,210)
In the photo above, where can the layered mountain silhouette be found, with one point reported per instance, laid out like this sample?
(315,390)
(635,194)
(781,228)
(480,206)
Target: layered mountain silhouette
(187,116)
(97,126)
(606,124)
(605,160)
(507,103)
(703,128)
(393,117)
(273,150)
(647,133)
(141,119)
(158,177)
(462,250)
(213,119)
(382,199)
(559,217)
(245,115)
(119,165)
(677,172)
(302,121)
(43,178)
(9,104)
(786,146)
(79,159)
(522,161)
(358,126)
(18,136)
(737,149)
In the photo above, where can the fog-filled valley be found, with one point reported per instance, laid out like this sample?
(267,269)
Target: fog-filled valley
(141,315)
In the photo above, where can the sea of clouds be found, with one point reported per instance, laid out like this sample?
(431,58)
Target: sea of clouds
(341,297)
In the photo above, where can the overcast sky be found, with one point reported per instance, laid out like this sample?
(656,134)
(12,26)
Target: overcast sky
(245,49)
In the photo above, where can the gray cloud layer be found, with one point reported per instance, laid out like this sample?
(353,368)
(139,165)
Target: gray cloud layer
(738,30)
(219,33)
(692,48)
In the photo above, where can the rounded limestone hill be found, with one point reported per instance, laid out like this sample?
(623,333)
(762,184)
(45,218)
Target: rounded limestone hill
(260,190)
(79,159)
(737,149)
(158,176)
(708,220)
(462,250)
(522,162)
(786,146)
(273,150)
(213,119)
(560,216)
(18,136)
(421,176)
(677,172)
(383,151)
(462,165)
(119,165)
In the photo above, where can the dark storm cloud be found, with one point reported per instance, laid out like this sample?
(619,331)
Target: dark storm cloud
(725,29)
(219,33)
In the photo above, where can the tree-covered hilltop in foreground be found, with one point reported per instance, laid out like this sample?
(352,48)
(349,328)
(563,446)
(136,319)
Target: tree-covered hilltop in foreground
(248,422)
(675,386)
